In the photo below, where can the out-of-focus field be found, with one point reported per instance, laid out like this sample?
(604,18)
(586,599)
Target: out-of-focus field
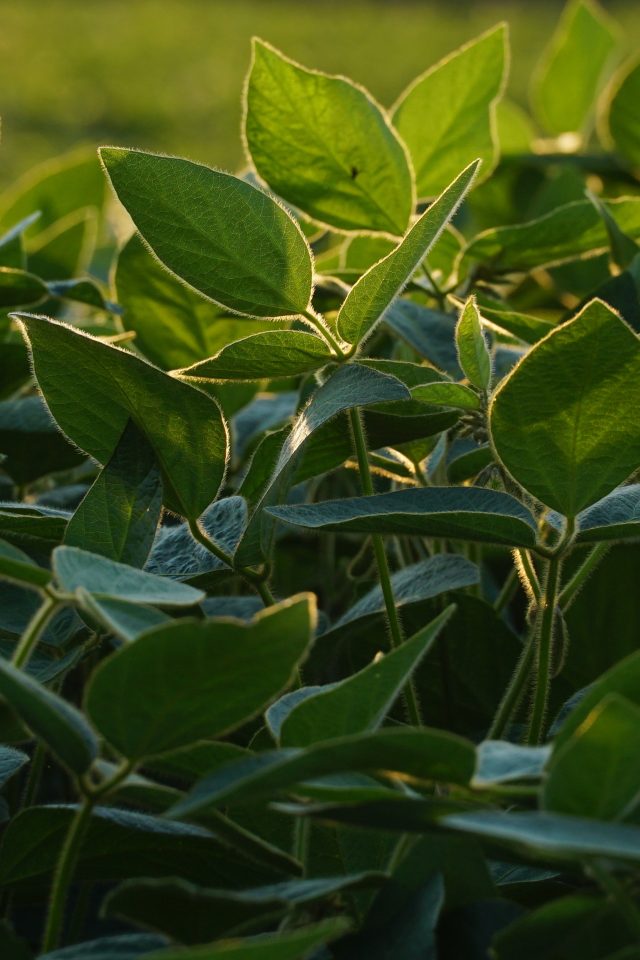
(167,74)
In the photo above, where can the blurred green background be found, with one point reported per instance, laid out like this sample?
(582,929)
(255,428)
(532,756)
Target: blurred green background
(167,74)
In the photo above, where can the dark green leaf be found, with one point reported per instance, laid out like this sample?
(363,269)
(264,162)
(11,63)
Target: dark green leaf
(93,389)
(189,680)
(487,516)
(277,353)
(422,754)
(120,513)
(596,771)
(362,701)
(223,236)
(17,566)
(126,946)
(351,385)
(621,118)
(52,719)
(32,442)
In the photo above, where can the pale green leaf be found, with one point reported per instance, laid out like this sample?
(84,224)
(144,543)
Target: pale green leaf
(377,289)
(324,145)
(568,78)
(621,122)
(473,352)
(277,353)
(447,116)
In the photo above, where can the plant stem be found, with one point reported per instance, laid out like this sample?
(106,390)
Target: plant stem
(515,691)
(527,573)
(577,581)
(66,865)
(254,579)
(544,624)
(321,327)
(620,897)
(63,875)
(35,628)
(384,575)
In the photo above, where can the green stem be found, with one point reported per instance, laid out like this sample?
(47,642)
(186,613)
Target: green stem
(35,628)
(543,627)
(515,690)
(620,897)
(384,574)
(577,581)
(252,577)
(64,871)
(66,865)
(318,324)
(527,574)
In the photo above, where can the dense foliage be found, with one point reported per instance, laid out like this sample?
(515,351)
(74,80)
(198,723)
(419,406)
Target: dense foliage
(297,512)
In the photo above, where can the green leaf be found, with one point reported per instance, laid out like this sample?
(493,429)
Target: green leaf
(122,618)
(278,353)
(568,78)
(563,422)
(54,721)
(351,385)
(18,567)
(473,513)
(621,123)
(19,288)
(189,680)
(502,762)
(430,333)
(473,352)
(32,442)
(284,945)
(125,946)
(550,836)
(55,188)
(623,250)
(63,250)
(447,395)
(363,700)
(74,568)
(570,232)
(596,771)
(174,325)
(12,252)
(447,116)
(580,926)
(615,517)
(192,914)
(119,515)
(229,240)
(10,762)
(31,525)
(176,554)
(622,679)
(411,585)
(422,754)
(93,389)
(119,845)
(324,145)
(381,284)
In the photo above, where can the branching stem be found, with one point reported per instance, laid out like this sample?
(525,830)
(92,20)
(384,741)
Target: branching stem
(384,575)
